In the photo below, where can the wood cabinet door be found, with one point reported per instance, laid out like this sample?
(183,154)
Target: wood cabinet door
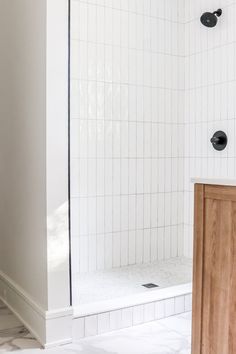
(214,273)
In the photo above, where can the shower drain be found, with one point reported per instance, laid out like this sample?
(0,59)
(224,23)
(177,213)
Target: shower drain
(150,286)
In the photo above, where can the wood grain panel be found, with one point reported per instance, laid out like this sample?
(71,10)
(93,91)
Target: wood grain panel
(220,192)
(197,266)
(214,275)
(232,282)
(215,297)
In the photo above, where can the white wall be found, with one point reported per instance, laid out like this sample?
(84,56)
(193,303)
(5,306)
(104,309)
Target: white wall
(57,154)
(210,103)
(127,132)
(34,239)
(23,145)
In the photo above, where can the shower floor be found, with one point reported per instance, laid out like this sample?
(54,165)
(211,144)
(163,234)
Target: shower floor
(125,284)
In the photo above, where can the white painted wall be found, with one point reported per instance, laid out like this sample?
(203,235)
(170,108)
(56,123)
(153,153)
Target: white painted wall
(34,239)
(57,154)
(23,145)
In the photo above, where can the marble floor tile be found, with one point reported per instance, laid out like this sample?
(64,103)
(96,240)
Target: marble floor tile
(178,323)
(151,338)
(165,336)
(13,335)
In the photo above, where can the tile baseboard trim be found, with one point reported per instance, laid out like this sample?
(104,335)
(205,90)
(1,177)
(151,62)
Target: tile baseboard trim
(50,328)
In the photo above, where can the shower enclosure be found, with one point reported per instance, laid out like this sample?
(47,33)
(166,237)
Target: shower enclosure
(127,162)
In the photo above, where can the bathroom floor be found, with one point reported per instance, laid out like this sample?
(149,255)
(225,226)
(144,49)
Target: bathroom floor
(170,335)
(125,281)
(13,335)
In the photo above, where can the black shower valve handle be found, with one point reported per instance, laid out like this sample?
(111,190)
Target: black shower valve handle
(219,140)
(215,140)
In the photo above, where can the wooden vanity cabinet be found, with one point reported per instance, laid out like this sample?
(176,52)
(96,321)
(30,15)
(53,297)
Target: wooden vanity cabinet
(214,270)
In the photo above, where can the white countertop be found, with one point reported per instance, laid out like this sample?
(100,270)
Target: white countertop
(215,181)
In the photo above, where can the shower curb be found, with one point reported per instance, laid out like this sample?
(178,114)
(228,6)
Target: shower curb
(105,322)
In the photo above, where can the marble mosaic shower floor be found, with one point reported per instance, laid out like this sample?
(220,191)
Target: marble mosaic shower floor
(13,335)
(119,282)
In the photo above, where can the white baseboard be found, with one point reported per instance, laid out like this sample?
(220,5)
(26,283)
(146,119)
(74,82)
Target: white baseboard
(50,328)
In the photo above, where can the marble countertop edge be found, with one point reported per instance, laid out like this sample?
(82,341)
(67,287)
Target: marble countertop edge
(214,181)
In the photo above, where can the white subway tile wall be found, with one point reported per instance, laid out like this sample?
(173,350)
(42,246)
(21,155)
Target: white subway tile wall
(210,99)
(127,134)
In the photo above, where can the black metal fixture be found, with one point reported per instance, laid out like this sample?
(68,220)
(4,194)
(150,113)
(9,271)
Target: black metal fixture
(150,286)
(219,140)
(210,19)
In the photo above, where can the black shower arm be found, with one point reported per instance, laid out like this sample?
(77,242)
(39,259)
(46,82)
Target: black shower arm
(218,13)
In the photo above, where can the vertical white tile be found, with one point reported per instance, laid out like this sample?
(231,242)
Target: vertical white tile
(115,320)
(108,214)
(159,309)
(132,212)
(125,175)
(146,246)
(92,215)
(100,177)
(116,206)
(124,212)
(108,251)
(93,253)
(139,246)
(83,254)
(167,242)
(91,325)
(103,320)
(82,21)
(92,23)
(78,328)
(154,245)
(139,211)
(124,248)
(188,302)
(74,216)
(179,304)
(116,253)
(100,215)
(100,252)
(130,149)
(127,317)
(138,314)
(132,245)
(149,312)
(169,307)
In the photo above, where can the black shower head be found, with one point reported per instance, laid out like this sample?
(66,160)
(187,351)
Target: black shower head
(209,19)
